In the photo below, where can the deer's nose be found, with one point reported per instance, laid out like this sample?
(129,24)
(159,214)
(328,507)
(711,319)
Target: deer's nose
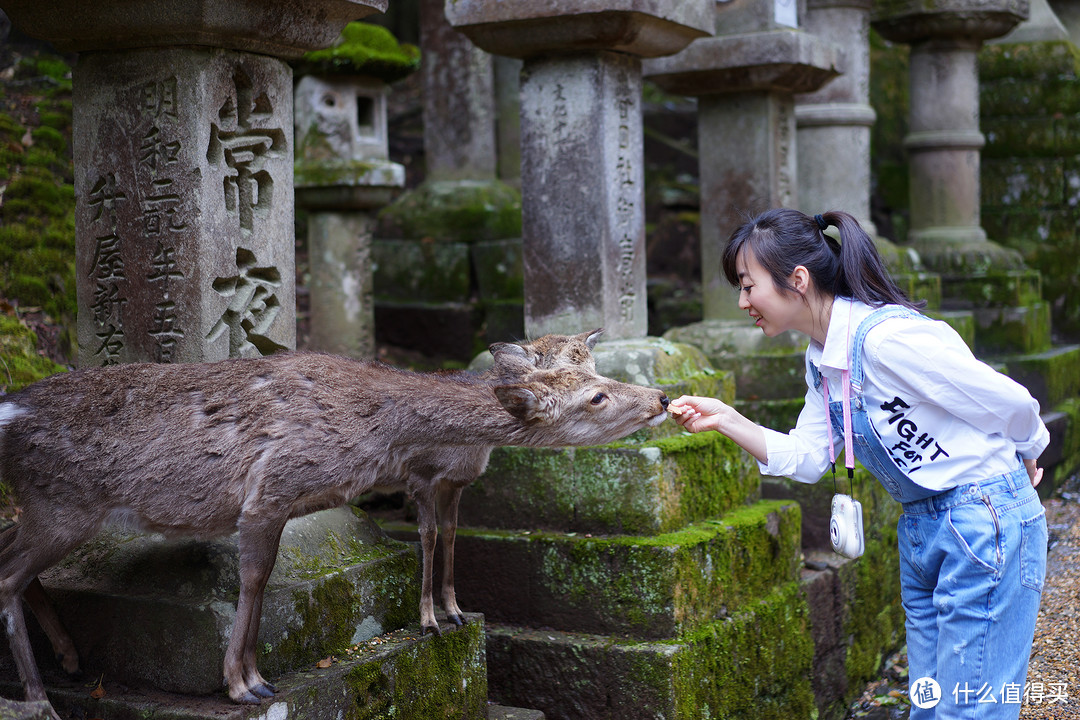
(664,401)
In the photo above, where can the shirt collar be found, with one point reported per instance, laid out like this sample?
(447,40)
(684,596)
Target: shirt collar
(845,318)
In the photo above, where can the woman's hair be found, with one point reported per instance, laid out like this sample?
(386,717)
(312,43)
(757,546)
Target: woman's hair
(782,239)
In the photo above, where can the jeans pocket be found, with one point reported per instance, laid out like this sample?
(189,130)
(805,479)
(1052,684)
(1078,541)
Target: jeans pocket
(1033,539)
(976,529)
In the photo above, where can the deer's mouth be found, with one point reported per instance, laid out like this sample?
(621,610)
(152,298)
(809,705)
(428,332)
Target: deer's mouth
(657,419)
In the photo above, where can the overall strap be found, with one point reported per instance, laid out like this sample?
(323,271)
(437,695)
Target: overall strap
(870,321)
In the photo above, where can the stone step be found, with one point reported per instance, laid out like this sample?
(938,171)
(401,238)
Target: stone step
(502,712)
(399,674)
(146,610)
(1052,376)
(653,587)
(654,487)
(752,662)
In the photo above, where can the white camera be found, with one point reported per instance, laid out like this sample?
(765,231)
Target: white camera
(845,527)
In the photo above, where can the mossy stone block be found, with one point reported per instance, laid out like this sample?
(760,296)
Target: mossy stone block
(416,271)
(653,586)
(399,674)
(1052,376)
(500,274)
(142,609)
(454,211)
(994,289)
(641,489)
(921,286)
(755,662)
(1024,329)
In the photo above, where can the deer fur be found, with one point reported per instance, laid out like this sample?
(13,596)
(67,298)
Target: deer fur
(206,450)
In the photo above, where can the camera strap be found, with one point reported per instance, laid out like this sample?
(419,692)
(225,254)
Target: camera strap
(849,453)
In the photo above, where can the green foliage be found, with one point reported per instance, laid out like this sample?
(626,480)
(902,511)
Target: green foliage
(20,364)
(37,207)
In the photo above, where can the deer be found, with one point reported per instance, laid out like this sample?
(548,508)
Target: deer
(439,475)
(243,445)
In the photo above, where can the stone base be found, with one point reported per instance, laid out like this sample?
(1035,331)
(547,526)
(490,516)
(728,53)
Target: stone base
(648,587)
(753,662)
(396,675)
(143,610)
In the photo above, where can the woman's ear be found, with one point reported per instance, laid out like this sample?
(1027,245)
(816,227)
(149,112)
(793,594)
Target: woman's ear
(800,279)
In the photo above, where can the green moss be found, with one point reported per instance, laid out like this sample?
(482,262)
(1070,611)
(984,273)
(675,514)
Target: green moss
(37,216)
(364,49)
(458,211)
(755,664)
(20,364)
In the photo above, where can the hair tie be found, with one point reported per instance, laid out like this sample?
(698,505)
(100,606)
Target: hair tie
(821,222)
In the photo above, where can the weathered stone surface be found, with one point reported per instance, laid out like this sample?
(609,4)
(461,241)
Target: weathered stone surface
(649,587)
(340,118)
(421,272)
(398,674)
(272,27)
(1052,376)
(783,60)
(456,211)
(703,674)
(523,28)
(145,610)
(911,21)
(183,170)
(29,710)
(657,487)
(583,204)
(341,286)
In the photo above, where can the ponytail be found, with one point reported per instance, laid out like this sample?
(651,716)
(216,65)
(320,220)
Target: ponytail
(782,239)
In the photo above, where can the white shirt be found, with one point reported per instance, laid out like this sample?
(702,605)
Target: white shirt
(945,417)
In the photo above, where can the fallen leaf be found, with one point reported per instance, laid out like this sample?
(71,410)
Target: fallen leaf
(98,692)
(325,663)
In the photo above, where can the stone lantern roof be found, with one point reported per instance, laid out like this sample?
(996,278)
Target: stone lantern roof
(363,49)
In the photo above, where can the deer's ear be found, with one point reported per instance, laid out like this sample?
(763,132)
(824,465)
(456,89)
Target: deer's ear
(511,348)
(591,338)
(519,401)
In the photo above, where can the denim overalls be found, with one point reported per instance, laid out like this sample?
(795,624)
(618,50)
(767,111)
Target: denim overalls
(972,564)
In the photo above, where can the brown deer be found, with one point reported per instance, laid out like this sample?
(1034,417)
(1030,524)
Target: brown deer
(438,475)
(242,446)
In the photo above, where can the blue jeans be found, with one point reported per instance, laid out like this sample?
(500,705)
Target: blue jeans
(972,565)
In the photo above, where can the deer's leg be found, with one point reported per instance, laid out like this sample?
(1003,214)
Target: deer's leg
(258,543)
(425,515)
(448,499)
(20,562)
(43,609)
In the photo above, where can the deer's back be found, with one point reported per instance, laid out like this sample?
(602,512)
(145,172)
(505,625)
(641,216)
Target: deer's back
(186,448)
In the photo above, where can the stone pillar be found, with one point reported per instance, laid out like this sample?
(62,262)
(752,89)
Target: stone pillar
(459,101)
(183,170)
(343,177)
(944,140)
(582,178)
(745,80)
(834,122)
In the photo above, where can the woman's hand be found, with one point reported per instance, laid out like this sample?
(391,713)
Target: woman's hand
(699,413)
(1034,471)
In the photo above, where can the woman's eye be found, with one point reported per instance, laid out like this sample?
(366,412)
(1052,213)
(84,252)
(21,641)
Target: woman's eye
(598,398)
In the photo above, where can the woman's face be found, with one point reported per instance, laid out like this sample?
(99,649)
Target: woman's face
(772,310)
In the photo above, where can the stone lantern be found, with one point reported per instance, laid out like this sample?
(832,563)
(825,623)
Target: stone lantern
(344,176)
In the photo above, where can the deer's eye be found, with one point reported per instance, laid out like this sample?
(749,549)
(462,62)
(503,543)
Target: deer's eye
(598,398)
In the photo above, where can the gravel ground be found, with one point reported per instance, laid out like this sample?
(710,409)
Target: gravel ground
(1054,670)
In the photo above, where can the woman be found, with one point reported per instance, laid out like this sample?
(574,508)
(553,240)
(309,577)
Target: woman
(949,437)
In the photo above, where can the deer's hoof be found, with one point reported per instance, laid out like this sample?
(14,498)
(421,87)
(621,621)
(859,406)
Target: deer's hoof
(455,618)
(265,690)
(248,698)
(433,629)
